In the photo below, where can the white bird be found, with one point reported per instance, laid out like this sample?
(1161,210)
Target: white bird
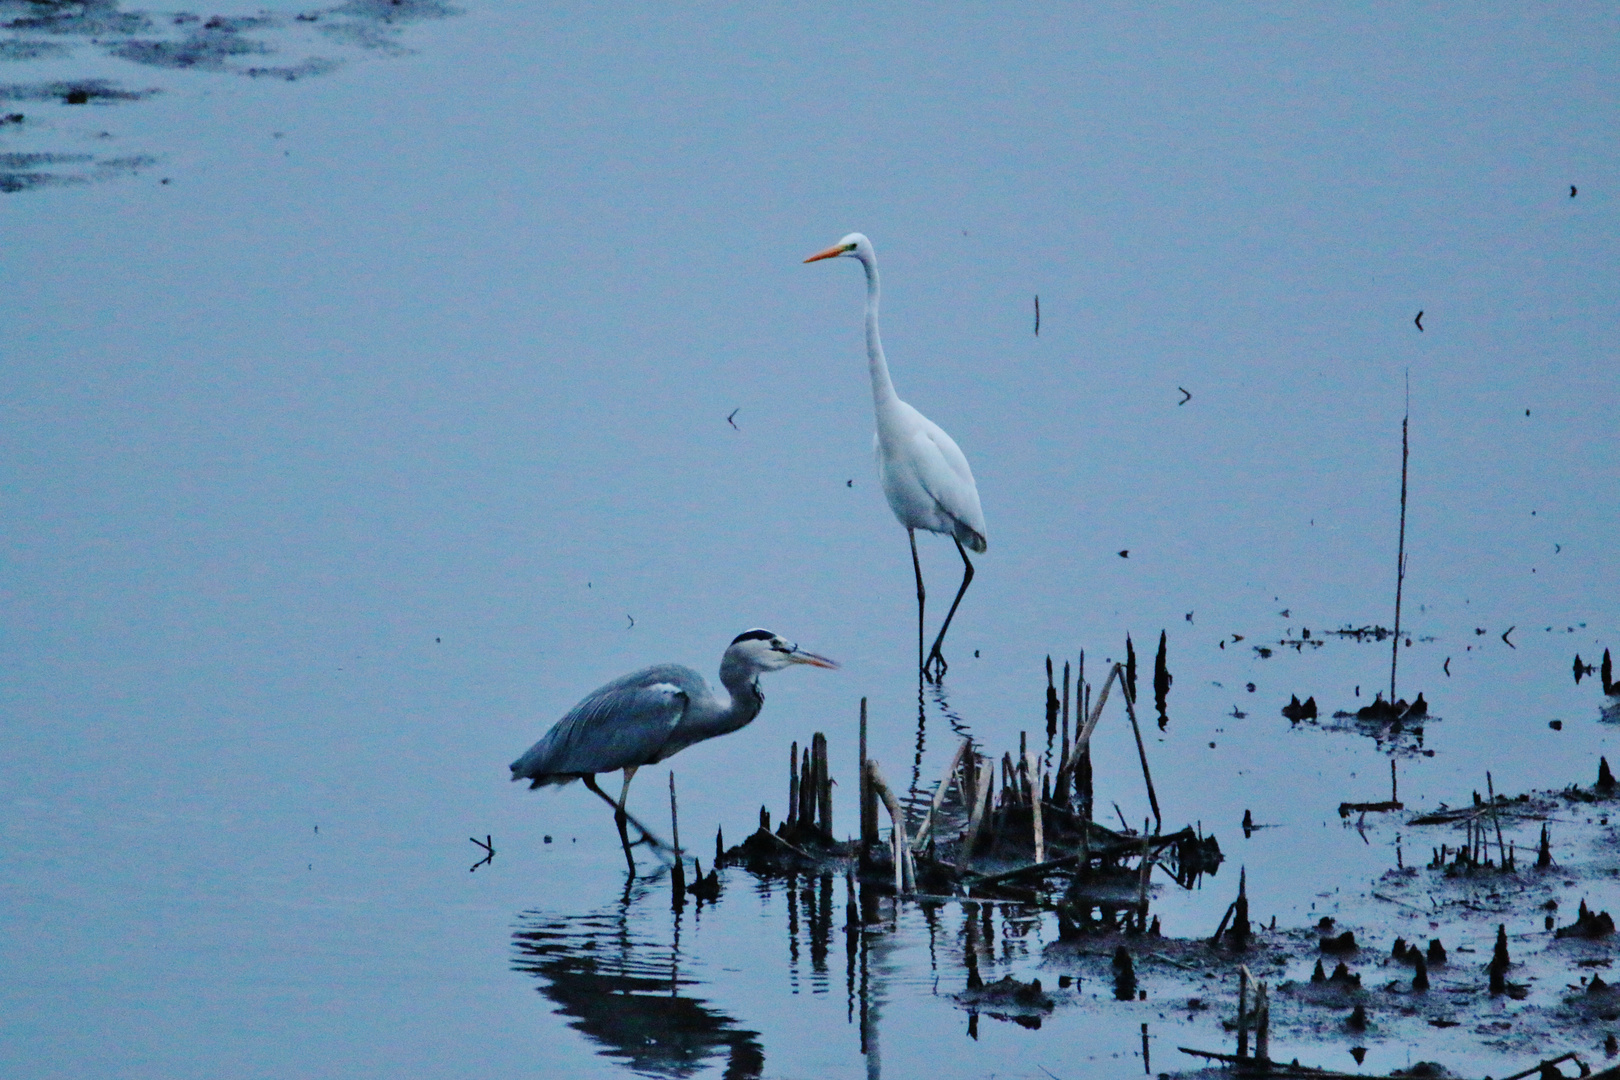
(653,714)
(925,475)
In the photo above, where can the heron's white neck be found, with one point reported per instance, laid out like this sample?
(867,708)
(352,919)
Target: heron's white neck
(882,386)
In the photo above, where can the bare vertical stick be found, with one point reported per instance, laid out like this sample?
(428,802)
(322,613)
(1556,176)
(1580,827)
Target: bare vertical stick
(1394,787)
(674,817)
(793,787)
(1064,753)
(1501,851)
(1082,694)
(1033,764)
(823,784)
(1243,1011)
(1400,548)
(868,806)
(1142,880)
(1262,1023)
(807,792)
(677,874)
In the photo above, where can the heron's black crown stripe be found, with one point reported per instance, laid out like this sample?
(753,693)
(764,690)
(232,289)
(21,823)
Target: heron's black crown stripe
(753,635)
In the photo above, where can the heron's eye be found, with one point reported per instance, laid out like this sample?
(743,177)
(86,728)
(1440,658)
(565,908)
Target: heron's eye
(781,646)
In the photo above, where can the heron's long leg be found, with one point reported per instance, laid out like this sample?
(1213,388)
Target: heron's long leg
(619,817)
(967,577)
(916,566)
(647,834)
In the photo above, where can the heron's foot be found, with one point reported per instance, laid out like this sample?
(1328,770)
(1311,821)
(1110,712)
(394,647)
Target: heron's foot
(935,666)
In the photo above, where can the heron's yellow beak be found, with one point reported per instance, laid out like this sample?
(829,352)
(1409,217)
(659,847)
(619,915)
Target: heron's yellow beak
(831,253)
(799,656)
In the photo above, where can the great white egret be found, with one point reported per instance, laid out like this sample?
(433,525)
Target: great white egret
(925,475)
(652,714)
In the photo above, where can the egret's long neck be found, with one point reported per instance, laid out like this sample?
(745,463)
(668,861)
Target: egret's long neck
(882,385)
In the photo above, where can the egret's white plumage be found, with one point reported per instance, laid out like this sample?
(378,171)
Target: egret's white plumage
(924,473)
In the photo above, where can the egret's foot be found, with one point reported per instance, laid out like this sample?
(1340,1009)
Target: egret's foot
(935,666)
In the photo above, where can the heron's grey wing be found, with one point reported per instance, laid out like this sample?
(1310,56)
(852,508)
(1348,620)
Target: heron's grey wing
(625,723)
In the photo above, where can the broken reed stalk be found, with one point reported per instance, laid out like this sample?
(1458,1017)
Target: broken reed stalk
(807,791)
(1063,753)
(823,785)
(1141,752)
(678,871)
(793,787)
(904,871)
(1490,789)
(1051,703)
(868,802)
(939,795)
(1262,1023)
(1033,764)
(1021,773)
(1400,548)
(1082,737)
(1142,879)
(674,818)
(1541,1067)
(982,785)
(1243,1011)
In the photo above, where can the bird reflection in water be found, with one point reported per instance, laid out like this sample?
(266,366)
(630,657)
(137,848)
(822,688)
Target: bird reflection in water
(624,991)
(920,795)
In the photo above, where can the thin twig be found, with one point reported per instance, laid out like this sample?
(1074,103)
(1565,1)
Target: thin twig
(1490,789)
(1141,752)
(1400,551)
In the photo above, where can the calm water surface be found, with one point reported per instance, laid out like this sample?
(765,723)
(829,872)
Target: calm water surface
(341,464)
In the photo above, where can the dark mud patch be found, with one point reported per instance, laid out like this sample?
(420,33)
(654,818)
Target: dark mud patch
(24,172)
(211,47)
(281,46)
(1515,958)
(1008,998)
(1397,736)
(74,92)
(14,49)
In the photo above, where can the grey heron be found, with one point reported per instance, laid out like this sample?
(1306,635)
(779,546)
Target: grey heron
(925,475)
(652,714)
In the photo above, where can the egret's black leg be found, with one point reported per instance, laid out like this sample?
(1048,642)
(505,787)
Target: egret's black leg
(916,567)
(967,578)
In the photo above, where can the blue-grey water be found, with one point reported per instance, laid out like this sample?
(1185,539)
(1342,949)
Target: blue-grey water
(360,415)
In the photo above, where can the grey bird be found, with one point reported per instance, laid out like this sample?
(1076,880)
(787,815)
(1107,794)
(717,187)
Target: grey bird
(652,714)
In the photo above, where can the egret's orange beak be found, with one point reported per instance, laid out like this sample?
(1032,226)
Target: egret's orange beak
(831,253)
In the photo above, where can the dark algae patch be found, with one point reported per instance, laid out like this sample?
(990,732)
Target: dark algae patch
(284,46)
